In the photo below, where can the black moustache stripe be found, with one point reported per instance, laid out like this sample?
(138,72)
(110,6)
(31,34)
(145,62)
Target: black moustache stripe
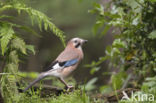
(76,46)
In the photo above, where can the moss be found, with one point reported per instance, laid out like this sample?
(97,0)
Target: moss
(76,96)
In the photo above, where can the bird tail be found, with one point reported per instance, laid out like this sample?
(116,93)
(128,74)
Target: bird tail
(35,81)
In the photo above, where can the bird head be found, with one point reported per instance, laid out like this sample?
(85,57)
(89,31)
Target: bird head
(77,42)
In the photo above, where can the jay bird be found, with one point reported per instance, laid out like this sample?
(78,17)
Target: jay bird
(65,63)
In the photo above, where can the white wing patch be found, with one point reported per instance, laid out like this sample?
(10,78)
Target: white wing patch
(57,66)
(54,70)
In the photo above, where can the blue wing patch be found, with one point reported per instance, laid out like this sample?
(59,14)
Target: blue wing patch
(70,62)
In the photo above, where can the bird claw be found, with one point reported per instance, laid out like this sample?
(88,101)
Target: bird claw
(69,87)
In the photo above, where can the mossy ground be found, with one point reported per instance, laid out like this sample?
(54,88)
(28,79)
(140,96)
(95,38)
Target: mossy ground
(77,96)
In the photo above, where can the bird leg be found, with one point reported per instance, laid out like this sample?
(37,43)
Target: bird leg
(68,86)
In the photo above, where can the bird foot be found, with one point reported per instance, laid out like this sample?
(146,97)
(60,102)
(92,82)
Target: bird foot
(70,88)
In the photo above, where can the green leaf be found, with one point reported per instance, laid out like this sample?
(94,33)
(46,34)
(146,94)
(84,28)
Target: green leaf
(97,26)
(152,35)
(152,0)
(19,44)
(90,85)
(6,32)
(31,48)
(108,50)
(135,5)
(118,79)
(99,8)
(151,78)
(95,69)
(118,43)
(150,84)
(105,89)
(135,21)
(13,57)
(105,30)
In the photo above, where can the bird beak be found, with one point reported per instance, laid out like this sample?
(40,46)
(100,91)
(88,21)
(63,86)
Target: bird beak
(85,41)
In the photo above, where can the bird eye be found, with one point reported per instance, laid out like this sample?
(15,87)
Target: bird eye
(75,41)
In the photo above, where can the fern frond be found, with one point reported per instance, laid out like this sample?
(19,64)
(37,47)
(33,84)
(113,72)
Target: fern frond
(30,48)
(19,44)
(39,17)
(26,28)
(6,32)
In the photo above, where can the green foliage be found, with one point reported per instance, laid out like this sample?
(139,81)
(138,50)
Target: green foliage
(19,44)
(35,15)
(8,82)
(30,48)
(76,96)
(150,85)
(118,80)
(6,33)
(133,48)
(90,84)
(13,46)
(152,35)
